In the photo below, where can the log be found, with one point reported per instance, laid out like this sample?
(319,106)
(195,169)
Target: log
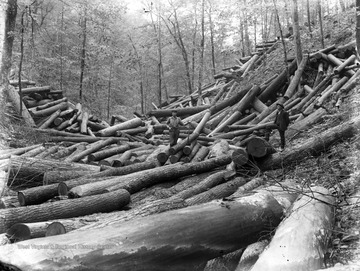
(64,209)
(312,146)
(258,105)
(193,152)
(47,152)
(342,66)
(50,120)
(277,83)
(28,171)
(296,79)
(201,154)
(217,232)
(319,75)
(57,176)
(96,156)
(224,262)
(136,181)
(304,248)
(240,157)
(9,202)
(174,158)
(219,148)
(217,192)
(337,62)
(252,184)
(24,231)
(94,147)
(135,122)
(15,100)
(251,255)
(259,147)
(50,104)
(48,111)
(63,187)
(84,122)
(332,89)
(27,91)
(18,151)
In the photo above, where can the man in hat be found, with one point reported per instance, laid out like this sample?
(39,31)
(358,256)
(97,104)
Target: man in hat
(282,121)
(174,130)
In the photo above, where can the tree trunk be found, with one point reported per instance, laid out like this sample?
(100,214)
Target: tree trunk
(224,262)
(24,231)
(83,49)
(304,249)
(217,232)
(312,146)
(84,122)
(22,110)
(259,147)
(358,26)
(18,151)
(251,255)
(296,79)
(50,120)
(27,171)
(65,208)
(135,122)
(50,110)
(320,23)
(217,192)
(202,48)
(93,148)
(96,156)
(137,181)
(201,154)
(297,32)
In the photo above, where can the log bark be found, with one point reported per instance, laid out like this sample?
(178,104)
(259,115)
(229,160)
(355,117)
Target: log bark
(50,120)
(332,89)
(304,248)
(48,111)
(24,231)
(312,146)
(136,181)
(251,255)
(259,147)
(224,262)
(135,122)
(221,147)
(44,89)
(96,156)
(47,152)
(84,123)
(15,100)
(50,104)
(296,79)
(18,151)
(217,232)
(28,171)
(300,126)
(240,157)
(347,62)
(337,62)
(217,192)
(209,182)
(95,147)
(34,151)
(201,154)
(64,187)
(64,209)
(277,83)
(57,176)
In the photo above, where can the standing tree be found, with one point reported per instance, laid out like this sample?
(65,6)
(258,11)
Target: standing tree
(202,45)
(83,50)
(211,24)
(320,23)
(7,45)
(297,32)
(308,16)
(358,26)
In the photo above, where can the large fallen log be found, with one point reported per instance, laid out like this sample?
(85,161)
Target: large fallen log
(28,171)
(224,262)
(301,240)
(19,151)
(251,255)
(31,90)
(48,111)
(15,100)
(259,147)
(136,181)
(217,192)
(313,146)
(64,209)
(154,242)
(135,122)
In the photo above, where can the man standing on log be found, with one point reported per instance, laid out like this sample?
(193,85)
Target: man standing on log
(282,121)
(174,130)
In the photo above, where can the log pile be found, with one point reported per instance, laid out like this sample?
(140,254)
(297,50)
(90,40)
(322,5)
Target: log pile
(128,168)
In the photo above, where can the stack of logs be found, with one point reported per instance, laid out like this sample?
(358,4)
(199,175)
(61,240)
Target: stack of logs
(93,176)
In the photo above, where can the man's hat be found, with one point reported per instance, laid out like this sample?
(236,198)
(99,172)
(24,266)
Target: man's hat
(280,105)
(174,110)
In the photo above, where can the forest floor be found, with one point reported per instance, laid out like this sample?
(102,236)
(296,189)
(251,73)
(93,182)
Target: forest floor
(338,169)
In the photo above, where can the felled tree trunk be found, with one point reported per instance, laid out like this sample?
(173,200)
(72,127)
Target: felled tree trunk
(222,227)
(217,192)
(312,146)
(300,241)
(64,209)
(259,147)
(137,181)
(28,171)
(135,122)
(251,255)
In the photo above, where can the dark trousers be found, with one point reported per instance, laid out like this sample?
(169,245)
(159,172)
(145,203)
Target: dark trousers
(174,135)
(282,138)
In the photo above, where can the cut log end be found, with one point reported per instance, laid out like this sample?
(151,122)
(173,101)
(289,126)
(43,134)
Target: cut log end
(240,157)
(21,198)
(55,228)
(18,232)
(162,157)
(63,190)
